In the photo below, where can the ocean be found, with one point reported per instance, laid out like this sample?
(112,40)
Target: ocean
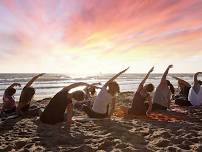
(49,84)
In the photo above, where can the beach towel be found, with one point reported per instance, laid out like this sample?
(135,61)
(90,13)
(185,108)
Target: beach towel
(122,112)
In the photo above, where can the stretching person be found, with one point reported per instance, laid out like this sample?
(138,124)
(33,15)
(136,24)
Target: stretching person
(90,91)
(182,98)
(139,107)
(9,105)
(105,97)
(26,95)
(55,110)
(195,93)
(162,95)
(90,94)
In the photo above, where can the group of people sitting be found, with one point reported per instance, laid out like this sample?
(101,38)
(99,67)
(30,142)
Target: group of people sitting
(104,103)
(9,104)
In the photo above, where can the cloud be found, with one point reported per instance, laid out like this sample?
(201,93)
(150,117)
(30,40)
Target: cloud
(113,30)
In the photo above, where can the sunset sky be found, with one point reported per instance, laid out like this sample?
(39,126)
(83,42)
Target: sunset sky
(100,36)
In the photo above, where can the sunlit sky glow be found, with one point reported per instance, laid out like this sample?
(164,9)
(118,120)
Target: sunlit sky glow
(100,36)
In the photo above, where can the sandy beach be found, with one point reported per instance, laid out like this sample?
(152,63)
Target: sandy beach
(181,133)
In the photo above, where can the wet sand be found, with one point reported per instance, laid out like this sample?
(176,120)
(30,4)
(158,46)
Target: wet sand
(116,134)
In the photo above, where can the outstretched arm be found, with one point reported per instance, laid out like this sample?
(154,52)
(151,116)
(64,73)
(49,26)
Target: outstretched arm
(33,79)
(163,79)
(114,77)
(182,81)
(14,84)
(97,83)
(94,85)
(74,85)
(144,80)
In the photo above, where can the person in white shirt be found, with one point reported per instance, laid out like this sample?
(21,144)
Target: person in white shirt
(195,93)
(106,96)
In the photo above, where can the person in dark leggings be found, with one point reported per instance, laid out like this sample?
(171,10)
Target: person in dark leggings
(139,105)
(9,104)
(26,96)
(62,101)
(106,97)
(181,98)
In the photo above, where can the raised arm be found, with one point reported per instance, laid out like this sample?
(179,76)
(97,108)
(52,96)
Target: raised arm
(182,81)
(33,79)
(14,84)
(97,83)
(74,85)
(94,85)
(114,77)
(163,79)
(144,80)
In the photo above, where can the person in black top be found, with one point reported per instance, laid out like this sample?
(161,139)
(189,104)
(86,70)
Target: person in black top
(139,107)
(27,95)
(181,98)
(54,111)
(9,105)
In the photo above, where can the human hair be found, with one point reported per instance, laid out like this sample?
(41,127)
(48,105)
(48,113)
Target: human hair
(200,82)
(91,90)
(78,95)
(10,91)
(149,87)
(113,88)
(172,89)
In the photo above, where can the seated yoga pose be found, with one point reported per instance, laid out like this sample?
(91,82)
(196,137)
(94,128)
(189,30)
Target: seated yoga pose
(26,95)
(106,97)
(162,95)
(141,96)
(62,101)
(181,98)
(9,104)
(195,93)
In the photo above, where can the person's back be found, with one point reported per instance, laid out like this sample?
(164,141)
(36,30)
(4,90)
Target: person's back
(138,105)
(101,102)
(162,95)
(9,101)
(195,98)
(9,105)
(141,96)
(104,104)
(27,95)
(195,93)
(25,98)
(54,111)
(61,102)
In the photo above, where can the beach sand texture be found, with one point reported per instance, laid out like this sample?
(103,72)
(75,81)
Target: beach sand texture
(117,134)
